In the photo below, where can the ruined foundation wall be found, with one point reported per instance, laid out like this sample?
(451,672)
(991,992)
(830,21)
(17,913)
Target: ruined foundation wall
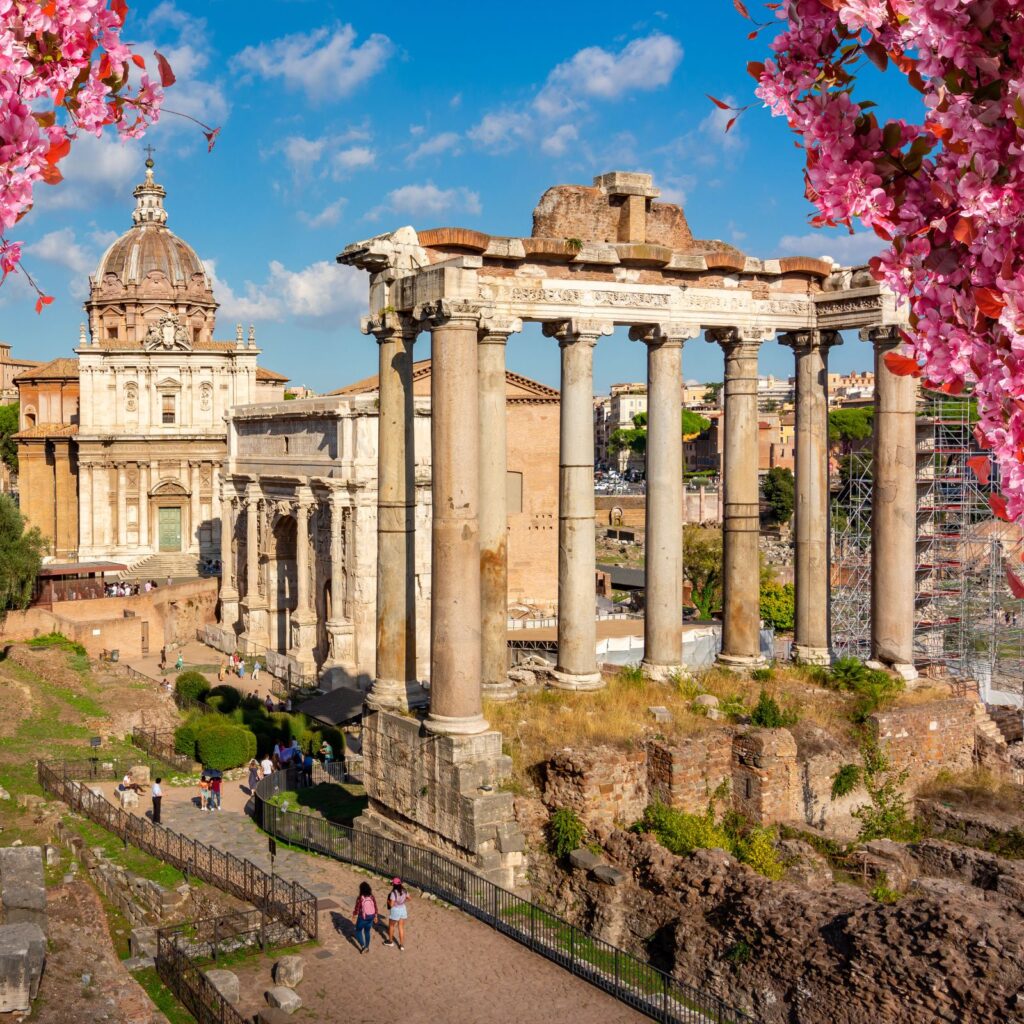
(685,775)
(925,738)
(603,786)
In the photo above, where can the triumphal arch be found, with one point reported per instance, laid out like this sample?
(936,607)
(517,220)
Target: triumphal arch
(599,257)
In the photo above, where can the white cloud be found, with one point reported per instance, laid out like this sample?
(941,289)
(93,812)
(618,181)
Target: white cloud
(446,142)
(501,130)
(324,156)
(420,200)
(326,217)
(63,249)
(849,250)
(355,157)
(595,73)
(322,295)
(326,63)
(557,143)
(96,170)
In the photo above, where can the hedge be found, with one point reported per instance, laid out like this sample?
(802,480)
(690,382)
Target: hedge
(191,684)
(229,696)
(225,746)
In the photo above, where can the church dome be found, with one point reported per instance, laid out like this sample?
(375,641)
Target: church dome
(149,245)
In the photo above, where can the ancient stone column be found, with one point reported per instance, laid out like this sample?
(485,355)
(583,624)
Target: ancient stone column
(228,590)
(86,505)
(455,696)
(494,334)
(143,504)
(195,507)
(577,614)
(256,634)
(339,629)
(395,685)
(812,628)
(303,618)
(893,511)
(122,505)
(741,585)
(663,575)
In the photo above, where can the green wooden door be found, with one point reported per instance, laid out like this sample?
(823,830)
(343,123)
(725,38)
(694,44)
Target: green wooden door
(170,529)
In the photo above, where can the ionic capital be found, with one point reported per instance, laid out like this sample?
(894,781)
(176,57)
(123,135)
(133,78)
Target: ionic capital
(802,342)
(578,331)
(495,330)
(388,323)
(431,315)
(883,337)
(664,335)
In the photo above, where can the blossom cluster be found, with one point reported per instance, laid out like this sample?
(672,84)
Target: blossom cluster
(945,193)
(63,69)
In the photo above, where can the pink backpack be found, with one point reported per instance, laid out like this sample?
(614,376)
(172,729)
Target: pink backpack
(367,906)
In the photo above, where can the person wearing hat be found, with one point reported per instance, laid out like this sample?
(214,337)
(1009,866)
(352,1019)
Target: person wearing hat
(398,912)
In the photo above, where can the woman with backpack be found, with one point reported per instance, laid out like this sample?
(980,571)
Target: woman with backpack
(398,912)
(364,914)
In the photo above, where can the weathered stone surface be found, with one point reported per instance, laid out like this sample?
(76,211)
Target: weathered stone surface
(288,971)
(283,998)
(23,885)
(602,785)
(608,874)
(138,963)
(129,798)
(140,774)
(226,983)
(705,700)
(883,856)
(22,956)
(272,1015)
(142,942)
(584,859)
(52,855)
(804,865)
(685,774)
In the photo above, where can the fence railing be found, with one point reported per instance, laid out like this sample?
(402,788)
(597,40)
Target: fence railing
(633,981)
(161,746)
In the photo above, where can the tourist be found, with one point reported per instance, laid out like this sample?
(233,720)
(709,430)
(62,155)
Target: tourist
(268,703)
(204,792)
(307,769)
(221,669)
(147,587)
(169,581)
(364,914)
(397,913)
(284,753)
(255,774)
(326,753)
(126,783)
(267,766)
(180,663)
(288,703)
(157,795)
(255,670)
(241,670)
(215,792)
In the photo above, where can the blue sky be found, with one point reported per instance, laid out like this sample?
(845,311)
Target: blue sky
(340,121)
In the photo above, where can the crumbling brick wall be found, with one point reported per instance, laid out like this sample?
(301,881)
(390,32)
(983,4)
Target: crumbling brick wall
(765,776)
(603,786)
(685,774)
(924,738)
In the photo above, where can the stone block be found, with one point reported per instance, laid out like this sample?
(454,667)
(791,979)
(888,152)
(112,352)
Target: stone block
(608,874)
(226,983)
(272,1015)
(138,963)
(511,839)
(140,774)
(22,885)
(583,859)
(52,854)
(705,700)
(288,971)
(142,942)
(22,956)
(660,713)
(129,798)
(283,998)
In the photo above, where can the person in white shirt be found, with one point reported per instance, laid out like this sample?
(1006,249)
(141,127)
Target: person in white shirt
(157,794)
(267,766)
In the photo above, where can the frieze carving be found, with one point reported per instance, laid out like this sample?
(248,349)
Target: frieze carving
(205,397)
(866,304)
(562,296)
(651,299)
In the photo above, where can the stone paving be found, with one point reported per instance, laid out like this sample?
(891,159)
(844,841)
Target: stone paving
(454,969)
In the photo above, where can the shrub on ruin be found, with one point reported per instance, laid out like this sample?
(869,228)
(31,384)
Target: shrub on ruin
(632,675)
(845,781)
(763,675)
(191,685)
(224,746)
(565,832)
(881,892)
(768,715)
(887,816)
(875,692)
(846,673)
(228,698)
(754,845)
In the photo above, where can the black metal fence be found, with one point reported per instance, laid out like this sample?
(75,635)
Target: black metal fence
(161,746)
(634,981)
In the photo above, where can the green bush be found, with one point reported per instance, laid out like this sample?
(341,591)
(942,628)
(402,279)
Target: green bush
(230,697)
(192,685)
(846,673)
(769,715)
(58,640)
(186,734)
(875,692)
(224,746)
(845,781)
(778,605)
(881,892)
(565,832)
(762,675)
(887,815)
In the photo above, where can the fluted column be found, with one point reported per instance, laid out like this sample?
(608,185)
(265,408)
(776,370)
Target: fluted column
(395,684)
(494,333)
(122,506)
(893,511)
(143,504)
(577,616)
(195,509)
(663,571)
(228,590)
(339,629)
(455,696)
(812,625)
(741,525)
(302,622)
(256,634)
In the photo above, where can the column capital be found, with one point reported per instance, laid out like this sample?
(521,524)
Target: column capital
(577,330)
(306,498)
(253,493)
(807,341)
(884,337)
(736,337)
(495,330)
(387,323)
(442,312)
(668,333)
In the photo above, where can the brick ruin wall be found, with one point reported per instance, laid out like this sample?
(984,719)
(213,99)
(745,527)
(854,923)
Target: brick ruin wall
(605,787)
(925,738)
(687,774)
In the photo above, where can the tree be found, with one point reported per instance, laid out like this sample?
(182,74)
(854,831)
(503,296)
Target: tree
(780,493)
(8,428)
(702,567)
(21,554)
(850,425)
(635,438)
(778,605)
(944,191)
(711,395)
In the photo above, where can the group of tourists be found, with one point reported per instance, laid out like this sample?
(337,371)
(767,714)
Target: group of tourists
(235,666)
(130,589)
(209,791)
(365,914)
(285,754)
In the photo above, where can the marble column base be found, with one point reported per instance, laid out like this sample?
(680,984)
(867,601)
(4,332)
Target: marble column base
(741,662)
(444,725)
(255,638)
(663,673)
(229,612)
(580,683)
(811,655)
(397,695)
(502,691)
(303,640)
(906,672)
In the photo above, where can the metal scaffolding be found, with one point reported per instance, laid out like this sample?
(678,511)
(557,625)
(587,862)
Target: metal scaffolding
(967,624)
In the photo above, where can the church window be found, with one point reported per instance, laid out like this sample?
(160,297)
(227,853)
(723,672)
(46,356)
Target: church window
(195,335)
(112,333)
(167,405)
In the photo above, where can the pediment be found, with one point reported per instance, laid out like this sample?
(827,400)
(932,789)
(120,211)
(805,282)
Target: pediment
(168,384)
